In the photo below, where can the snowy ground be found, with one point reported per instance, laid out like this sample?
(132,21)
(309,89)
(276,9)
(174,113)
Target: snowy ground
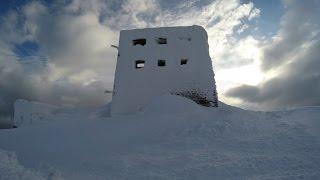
(173,138)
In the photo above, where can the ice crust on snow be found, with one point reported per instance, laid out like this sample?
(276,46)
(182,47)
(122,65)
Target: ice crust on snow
(176,61)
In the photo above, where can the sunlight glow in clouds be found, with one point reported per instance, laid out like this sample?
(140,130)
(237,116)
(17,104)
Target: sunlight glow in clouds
(245,54)
(290,62)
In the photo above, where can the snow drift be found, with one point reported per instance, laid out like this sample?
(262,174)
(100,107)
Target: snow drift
(172,138)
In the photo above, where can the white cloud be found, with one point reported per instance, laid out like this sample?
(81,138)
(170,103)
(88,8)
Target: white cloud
(80,64)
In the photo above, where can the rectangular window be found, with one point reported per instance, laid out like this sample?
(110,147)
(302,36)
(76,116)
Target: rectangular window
(139,64)
(162,40)
(141,42)
(184,61)
(161,63)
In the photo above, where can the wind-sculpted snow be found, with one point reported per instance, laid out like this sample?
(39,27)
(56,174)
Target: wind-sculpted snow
(172,138)
(11,169)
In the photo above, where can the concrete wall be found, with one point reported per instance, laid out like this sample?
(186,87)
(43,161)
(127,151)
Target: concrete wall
(134,88)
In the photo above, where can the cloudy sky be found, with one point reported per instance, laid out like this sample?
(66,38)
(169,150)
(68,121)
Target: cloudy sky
(266,54)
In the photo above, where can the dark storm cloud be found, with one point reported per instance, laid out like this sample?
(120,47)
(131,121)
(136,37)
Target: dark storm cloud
(298,86)
(78,65)
(17,84)
(299,25)
(295,56)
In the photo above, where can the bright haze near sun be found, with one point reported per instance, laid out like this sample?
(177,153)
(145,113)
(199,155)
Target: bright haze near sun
(265,53)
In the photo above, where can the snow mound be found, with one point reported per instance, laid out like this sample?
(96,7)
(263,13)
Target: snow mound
(102,111)
(171,104)
(172,138)
(11,169)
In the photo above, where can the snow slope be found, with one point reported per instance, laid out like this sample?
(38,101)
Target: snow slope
(172,138)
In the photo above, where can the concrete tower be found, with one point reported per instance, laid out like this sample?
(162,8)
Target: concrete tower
(156,61)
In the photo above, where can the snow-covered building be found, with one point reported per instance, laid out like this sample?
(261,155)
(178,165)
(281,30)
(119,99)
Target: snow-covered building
(29,112)
(156,61)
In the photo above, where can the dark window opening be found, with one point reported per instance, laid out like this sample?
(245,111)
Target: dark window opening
(141,42)
(139,64)
(161,63)
(183,61)
(162,40)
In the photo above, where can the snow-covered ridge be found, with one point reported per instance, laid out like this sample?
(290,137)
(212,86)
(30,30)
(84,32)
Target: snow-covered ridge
(172,138)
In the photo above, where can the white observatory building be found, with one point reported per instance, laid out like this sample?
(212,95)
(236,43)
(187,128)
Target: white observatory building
(157,61)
